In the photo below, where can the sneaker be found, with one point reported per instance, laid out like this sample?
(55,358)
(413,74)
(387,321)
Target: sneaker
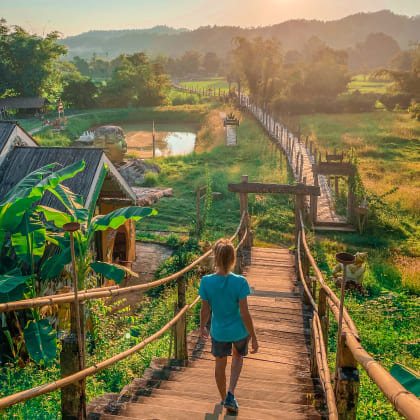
(230,403)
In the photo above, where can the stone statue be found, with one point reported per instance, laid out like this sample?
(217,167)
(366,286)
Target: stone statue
(354,273)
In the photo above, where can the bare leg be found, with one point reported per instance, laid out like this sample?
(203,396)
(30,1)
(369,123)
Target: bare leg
(235,371)
(220,375)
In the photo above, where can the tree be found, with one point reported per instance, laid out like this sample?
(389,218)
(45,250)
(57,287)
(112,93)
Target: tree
(374,52)
(136,82)
(27,62)
(405,82)
(189,62)
(211,63)
(259,64)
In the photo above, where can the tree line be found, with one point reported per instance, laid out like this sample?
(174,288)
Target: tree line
(33,66)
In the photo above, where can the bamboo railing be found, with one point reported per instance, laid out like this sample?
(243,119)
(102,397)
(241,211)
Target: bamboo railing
(108,292)
(104,292)
(405,402)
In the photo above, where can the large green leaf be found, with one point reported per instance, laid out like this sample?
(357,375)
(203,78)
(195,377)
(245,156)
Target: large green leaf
(59,218)
(29,239)
(12,286)
(71,201)
(55,264)
(30,189)
(116,218)
(40,340)
(109,271)
(407,378)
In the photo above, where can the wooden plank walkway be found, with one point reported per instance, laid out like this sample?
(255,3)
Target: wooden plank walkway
(275,382)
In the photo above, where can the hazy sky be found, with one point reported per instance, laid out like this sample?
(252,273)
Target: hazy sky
(75,16)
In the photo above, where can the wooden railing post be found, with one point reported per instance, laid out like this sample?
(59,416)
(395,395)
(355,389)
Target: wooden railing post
(313,205)
(323,315)
(347,382)
(246,226)
(181,351)
(313,361)
(197,219)
(73,397)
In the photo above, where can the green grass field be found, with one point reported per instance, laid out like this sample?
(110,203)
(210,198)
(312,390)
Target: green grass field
(363,85)
(210,83)
(387,145)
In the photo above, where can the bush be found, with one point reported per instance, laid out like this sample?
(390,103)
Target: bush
(414,111)
(391,101)
(357,102)
(150,179)
(185,99)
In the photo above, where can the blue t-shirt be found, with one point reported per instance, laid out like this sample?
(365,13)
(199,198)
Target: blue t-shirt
(223,294)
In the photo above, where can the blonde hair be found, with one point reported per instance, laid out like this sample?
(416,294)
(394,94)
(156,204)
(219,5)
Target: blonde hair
(224,255)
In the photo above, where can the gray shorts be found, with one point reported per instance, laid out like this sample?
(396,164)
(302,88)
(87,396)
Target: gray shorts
(224,348)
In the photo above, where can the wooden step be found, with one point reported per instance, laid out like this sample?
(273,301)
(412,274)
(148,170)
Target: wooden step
(165,406)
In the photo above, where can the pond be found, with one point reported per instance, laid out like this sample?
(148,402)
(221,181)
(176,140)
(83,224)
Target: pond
(170,139)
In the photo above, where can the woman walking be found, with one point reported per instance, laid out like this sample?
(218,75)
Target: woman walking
(224,294)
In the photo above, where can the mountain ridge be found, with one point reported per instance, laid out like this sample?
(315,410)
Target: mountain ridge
(341,34)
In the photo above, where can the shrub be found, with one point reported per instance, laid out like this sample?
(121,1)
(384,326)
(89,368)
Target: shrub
(391,101)
(414,111)
(150,179)
(185,99)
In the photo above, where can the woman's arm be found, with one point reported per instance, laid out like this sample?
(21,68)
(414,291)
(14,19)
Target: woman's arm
(246,318)
(204,317)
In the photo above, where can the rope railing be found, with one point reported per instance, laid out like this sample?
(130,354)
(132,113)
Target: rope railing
(404,401)
(111,291)
(92,370)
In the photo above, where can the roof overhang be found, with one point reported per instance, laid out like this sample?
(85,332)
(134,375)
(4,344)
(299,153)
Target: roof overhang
(108,183)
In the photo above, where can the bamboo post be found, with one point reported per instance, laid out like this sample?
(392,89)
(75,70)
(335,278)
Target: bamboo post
(347,382)
(197,218)
(297,166)
(314,201)
(311,144)
(243,201)
(344,258)
(306,142)
(154,141)
(181,351)
(323,315)
(301,168)
(72,357)
(351,202)
(313,361)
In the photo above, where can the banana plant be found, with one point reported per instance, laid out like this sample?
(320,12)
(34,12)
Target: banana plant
(27,236)
(21,219)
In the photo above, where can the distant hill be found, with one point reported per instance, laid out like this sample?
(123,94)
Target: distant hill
(342,34)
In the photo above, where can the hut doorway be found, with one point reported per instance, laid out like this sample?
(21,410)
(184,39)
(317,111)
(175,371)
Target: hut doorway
(119,251)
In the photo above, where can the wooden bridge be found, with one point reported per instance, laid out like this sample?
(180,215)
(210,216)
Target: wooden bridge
(275,382)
